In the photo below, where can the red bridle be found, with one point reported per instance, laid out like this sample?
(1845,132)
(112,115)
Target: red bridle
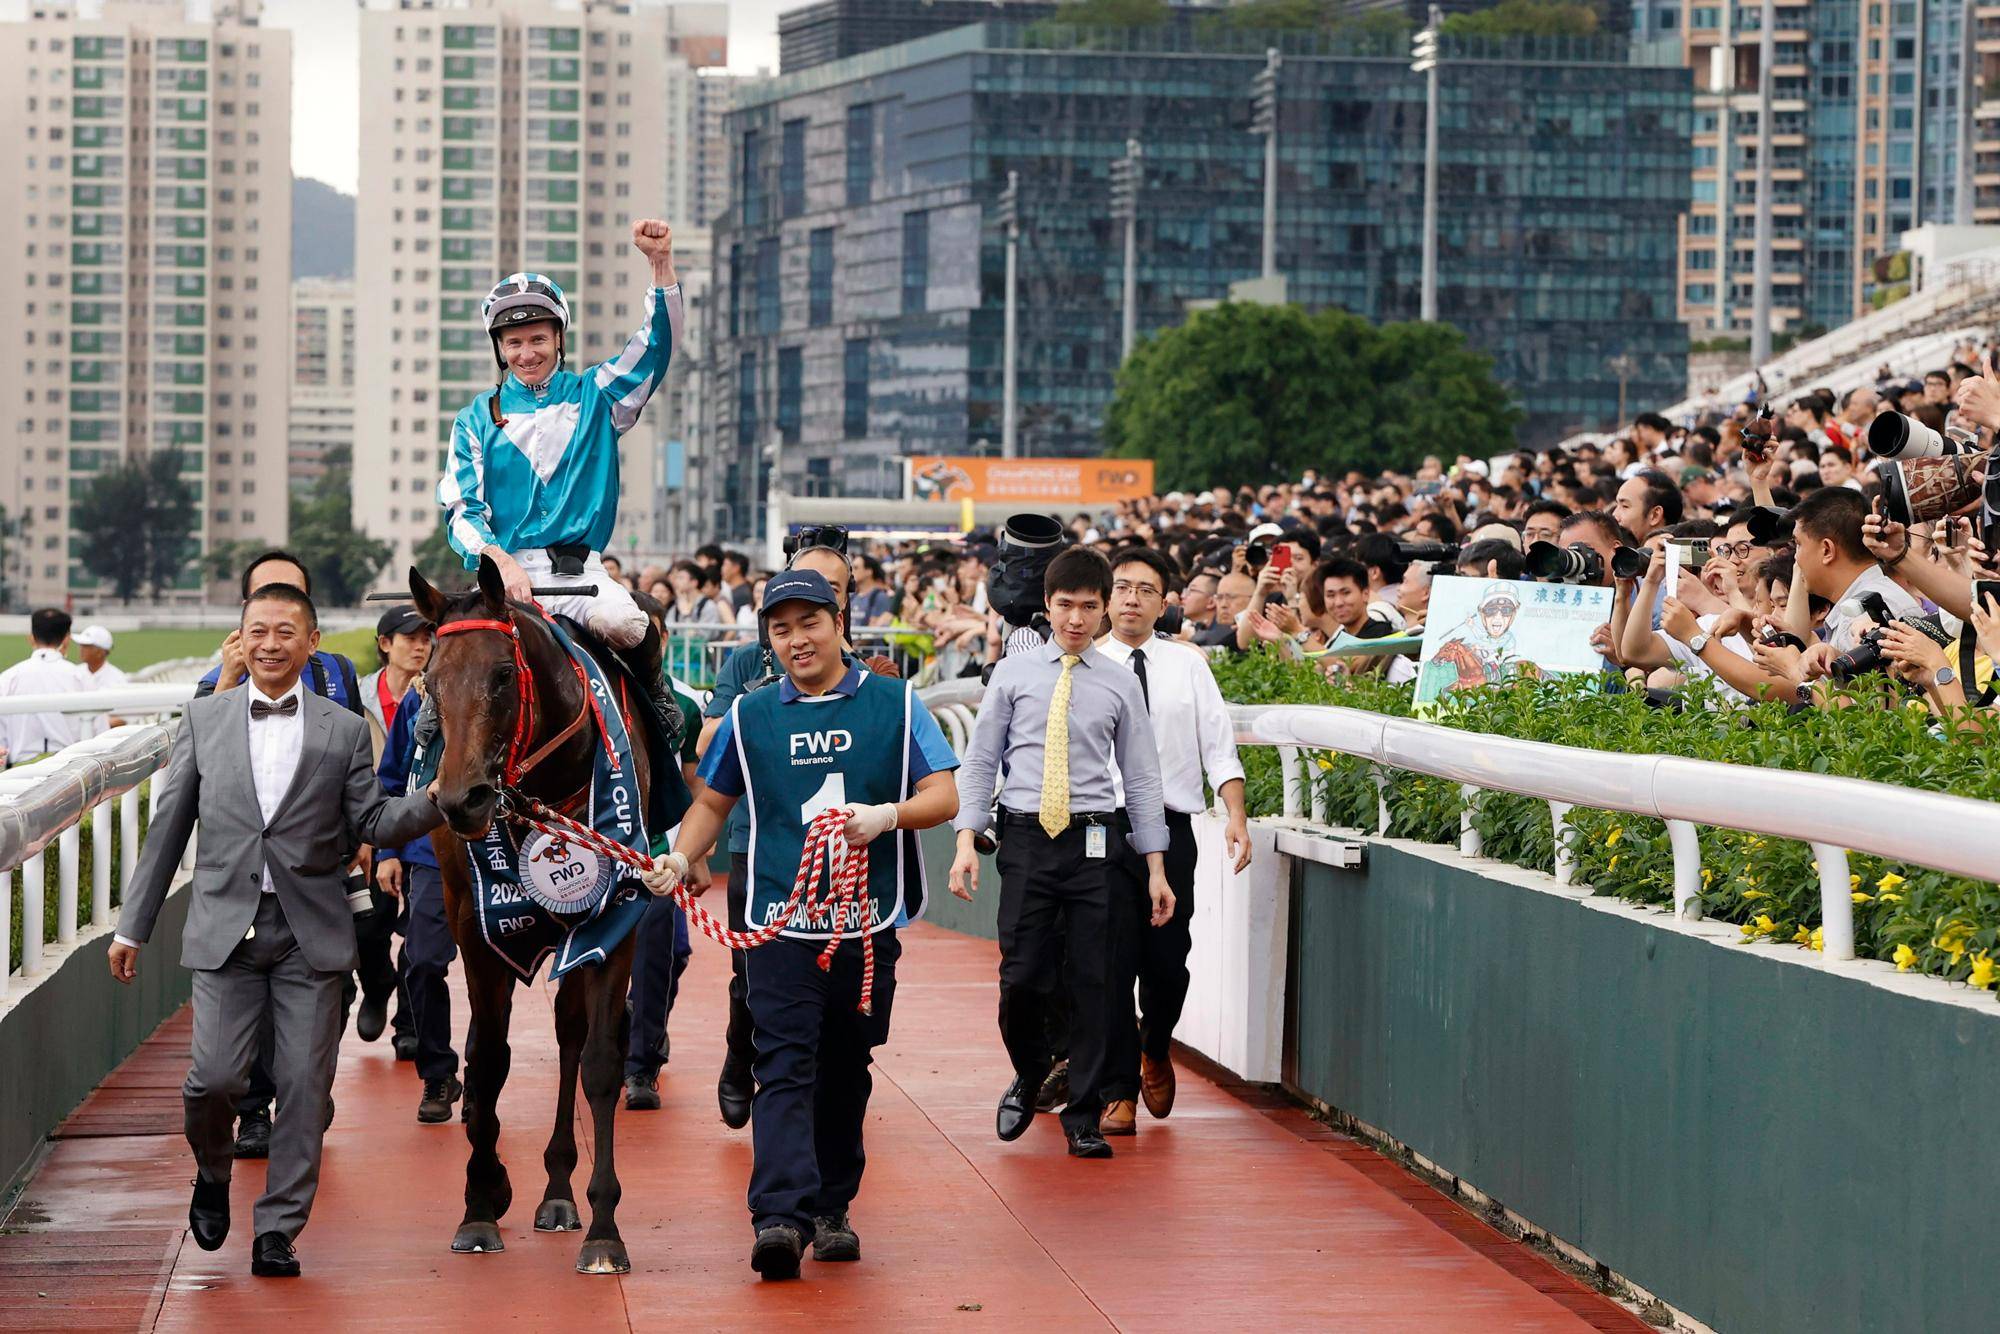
(517,765)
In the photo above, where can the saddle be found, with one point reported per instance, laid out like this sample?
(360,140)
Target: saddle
(668,797)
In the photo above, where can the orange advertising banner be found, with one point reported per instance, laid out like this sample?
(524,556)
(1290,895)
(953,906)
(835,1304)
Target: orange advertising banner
(1036,483)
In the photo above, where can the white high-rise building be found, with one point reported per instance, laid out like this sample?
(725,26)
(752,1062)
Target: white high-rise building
(145,212)
(714,98)
(505,135)
(322,376)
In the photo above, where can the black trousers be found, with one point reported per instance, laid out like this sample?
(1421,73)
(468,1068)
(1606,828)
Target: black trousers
(814,1050)
(1155,957)
(739,1040)
(428,951)
(376,972)
(1055,930)
(659,958)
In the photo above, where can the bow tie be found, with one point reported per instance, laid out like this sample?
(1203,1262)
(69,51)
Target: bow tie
(284,708)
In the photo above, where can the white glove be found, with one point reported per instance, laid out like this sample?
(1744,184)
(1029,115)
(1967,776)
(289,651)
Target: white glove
(865,824)
(666,873)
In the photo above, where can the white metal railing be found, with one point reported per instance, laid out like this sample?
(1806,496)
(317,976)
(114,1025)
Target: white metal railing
(47,802)
(129,700)
(1958,835)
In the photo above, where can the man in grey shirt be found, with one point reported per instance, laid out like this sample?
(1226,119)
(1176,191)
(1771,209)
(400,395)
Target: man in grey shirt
(1055,719)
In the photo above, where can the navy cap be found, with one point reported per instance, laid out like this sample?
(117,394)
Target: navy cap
(798,586)
(401,620)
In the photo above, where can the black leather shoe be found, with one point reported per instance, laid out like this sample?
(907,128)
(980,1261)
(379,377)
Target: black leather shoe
(1087,1144)
(777,1251)
(834,1239)
(372,1017)
(439,1095)
(253,1136)
(405,1045)
(642,1094)
(732,1094)
(1017,1110)
(208,1215)
(273,1257)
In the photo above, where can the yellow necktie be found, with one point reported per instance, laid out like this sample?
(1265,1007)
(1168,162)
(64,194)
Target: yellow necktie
(1055,754)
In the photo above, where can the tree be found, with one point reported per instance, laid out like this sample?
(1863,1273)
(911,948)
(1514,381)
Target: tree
(136,522)
(342,560)
(1248,392)
(440,564)
(1114,13)
(1525,18)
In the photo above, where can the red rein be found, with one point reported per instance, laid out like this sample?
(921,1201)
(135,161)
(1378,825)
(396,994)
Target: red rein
(518,759)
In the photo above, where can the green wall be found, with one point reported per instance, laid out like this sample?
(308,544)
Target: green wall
(1767,1147)
(977,918)
(76,1026)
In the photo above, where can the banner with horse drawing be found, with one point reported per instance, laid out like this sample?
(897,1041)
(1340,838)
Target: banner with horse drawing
(1488,631)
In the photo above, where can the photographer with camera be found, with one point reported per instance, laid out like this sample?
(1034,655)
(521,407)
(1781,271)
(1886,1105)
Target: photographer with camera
(1834,563)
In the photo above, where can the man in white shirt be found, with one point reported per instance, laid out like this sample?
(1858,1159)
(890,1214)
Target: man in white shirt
(1195,739)
(93,645)
(46,671)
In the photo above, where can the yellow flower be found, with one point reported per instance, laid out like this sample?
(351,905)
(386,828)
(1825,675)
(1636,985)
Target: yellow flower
(1614,864)
(1905,958)
(1749,928)
(1755,894)
(1325,762)
(1765,926)
(1863,897)
(1984,971)
(1818,940)
(1802,937)
(1854,880)
(1890,880)
(1952,940)
(1891,898)
(1707,877)
(1611,839)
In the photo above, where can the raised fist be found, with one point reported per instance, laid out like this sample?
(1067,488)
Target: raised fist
(654,238)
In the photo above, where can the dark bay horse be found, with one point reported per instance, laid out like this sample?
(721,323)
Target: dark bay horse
(474,678)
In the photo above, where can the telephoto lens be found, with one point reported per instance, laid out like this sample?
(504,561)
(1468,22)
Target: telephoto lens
(1434,552)
(1894,436)
(1630,562)
(1769,527)
(1576,563)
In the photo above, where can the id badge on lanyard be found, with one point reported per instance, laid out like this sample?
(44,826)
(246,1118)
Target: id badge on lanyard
(1093,840)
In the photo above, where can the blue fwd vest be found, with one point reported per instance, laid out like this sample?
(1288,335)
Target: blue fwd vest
(800,758)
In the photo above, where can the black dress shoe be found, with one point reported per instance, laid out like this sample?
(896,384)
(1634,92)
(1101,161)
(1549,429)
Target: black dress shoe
(777,1251)
(1087,1144)
(1017,1110)
(273,1257)
(405,1045)
(372,1017)
(642,1094)
(253,1136)
(732,1094)
(439,1095)
(208,1215)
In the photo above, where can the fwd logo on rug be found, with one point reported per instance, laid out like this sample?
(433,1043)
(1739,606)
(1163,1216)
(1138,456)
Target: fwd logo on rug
(821,747)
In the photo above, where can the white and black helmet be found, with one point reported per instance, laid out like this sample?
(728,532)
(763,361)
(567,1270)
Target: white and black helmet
(522,298)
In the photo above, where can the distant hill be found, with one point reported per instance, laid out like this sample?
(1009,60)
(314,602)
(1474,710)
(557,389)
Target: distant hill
(322,230)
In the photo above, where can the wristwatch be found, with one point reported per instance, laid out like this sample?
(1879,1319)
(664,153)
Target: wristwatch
(1944,676)
(1698,643)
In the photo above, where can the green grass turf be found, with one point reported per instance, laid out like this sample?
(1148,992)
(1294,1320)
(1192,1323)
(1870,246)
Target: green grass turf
(133,649)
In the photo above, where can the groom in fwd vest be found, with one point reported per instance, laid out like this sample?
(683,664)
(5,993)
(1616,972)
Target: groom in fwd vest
(828,734)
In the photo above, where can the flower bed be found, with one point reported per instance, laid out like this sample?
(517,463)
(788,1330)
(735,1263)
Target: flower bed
(1919,919)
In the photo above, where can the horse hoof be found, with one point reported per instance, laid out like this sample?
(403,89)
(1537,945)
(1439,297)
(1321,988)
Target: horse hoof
(603,1257)
(477,1239)
(557,1216)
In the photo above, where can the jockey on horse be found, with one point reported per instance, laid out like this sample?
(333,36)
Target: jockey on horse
(533,477)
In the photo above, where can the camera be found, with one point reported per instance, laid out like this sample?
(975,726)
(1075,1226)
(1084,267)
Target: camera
(1894,436)
(1171,621)
(1028,542)
(1758,432)
(1868,655)
(1256,555)
(1768,527)
(1413,553)
(1579,563)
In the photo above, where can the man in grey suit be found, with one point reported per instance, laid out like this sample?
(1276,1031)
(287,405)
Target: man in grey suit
(283,785)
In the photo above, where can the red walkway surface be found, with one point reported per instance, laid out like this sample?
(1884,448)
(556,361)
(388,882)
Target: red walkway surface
(1236,1214)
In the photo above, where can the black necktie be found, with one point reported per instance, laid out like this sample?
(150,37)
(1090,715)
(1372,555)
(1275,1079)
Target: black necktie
(284,708)
(1139,669)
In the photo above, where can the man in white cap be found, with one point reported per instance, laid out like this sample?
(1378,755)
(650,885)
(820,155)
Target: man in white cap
(93,644)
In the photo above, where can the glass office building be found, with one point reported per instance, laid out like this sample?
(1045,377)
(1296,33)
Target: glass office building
(859,270)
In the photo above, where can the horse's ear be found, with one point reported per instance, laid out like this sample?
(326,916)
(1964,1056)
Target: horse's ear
(492,586)
(428,601)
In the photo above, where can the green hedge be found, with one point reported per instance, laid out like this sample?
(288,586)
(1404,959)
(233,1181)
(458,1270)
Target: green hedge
(1919,919)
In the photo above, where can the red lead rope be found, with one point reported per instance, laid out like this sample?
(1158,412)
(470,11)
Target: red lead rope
(846,889)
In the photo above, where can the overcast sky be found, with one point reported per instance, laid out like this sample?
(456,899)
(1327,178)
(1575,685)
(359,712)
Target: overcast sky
(325,96)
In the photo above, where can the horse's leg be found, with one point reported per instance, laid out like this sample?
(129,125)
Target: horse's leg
(487,1056)
(558,1209)
(603,1067)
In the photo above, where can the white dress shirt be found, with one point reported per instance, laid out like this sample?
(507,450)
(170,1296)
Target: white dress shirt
(1191,727)
(106,677)
(28,736)
(275,742)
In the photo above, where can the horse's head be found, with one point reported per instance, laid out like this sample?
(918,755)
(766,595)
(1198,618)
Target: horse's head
(473,680)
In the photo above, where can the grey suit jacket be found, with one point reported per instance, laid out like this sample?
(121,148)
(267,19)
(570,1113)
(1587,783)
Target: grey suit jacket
(334,805)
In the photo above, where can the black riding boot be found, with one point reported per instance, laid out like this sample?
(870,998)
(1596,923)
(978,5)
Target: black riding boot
(647,661)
